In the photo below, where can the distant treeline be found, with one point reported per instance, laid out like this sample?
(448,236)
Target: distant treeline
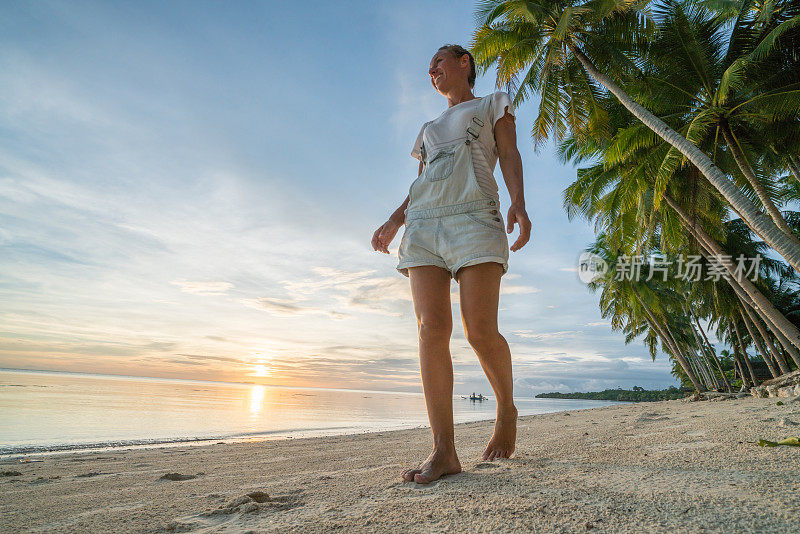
(637,394)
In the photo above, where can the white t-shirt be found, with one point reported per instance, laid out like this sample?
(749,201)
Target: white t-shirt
(451,126)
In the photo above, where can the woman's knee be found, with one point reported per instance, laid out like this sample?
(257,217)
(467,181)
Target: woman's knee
(434,328)
(483,338)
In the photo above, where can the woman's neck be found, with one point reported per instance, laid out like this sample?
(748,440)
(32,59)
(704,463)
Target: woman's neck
(459,97)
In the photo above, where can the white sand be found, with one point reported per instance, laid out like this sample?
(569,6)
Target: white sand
(652,467)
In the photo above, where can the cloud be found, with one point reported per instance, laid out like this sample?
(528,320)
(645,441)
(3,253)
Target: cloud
(213,358)
(547,336)
(203,288)
(506,289)
(359,290)
(287,307)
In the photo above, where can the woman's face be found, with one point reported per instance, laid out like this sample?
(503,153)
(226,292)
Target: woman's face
(447,72)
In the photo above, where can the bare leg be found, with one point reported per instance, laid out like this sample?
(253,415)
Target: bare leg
(479,287)
(430,289)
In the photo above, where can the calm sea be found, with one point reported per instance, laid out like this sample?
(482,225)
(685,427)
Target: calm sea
(50,411)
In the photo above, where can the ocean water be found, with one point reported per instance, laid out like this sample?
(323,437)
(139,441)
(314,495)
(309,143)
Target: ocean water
(50,411)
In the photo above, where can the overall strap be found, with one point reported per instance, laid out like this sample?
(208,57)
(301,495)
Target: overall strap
(480,118)
(422,150)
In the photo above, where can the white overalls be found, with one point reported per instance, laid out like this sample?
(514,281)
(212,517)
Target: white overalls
(450,221)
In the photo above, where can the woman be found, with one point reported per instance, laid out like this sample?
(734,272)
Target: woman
(454,229)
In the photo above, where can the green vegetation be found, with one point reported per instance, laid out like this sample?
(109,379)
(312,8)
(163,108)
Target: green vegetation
(682,119)
(636,394)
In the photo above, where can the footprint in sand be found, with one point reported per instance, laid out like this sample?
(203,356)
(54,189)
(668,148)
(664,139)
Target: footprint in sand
(178,476)
(487,465)
(251,503)
(650,417)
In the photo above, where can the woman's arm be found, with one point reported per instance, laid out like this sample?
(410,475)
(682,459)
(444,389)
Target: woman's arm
(399,215)
(505,134)
(383,236)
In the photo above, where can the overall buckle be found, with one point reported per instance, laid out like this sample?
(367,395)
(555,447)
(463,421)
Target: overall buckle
(470,129)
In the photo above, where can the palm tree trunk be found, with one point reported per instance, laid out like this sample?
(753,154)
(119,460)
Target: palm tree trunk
(654,324)
(714,382)
(794,167)
(746,358)
(785,353)
(689,356)
(750,305)
(759,346)
(765,306)
(787,345)
(696,370)
(737,366)
(776,356)
(747,171)
(713,354)
(700,369)
(754,218)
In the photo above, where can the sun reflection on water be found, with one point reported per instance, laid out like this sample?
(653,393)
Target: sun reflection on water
(256,400)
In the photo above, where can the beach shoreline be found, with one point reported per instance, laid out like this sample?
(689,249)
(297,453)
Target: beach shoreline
(656,466)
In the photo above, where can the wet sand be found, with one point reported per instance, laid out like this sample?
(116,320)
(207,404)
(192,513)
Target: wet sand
(650,467)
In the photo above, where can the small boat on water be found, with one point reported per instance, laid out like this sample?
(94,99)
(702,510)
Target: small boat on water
(478,397)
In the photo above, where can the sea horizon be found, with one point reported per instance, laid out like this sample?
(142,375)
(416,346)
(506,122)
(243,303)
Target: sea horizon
(46,411)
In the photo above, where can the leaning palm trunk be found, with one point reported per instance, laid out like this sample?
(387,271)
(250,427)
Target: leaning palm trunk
(794,167)
(776,356)
(759,346)
(713,354)
(696,369)
(769,311)
(747,171)
(713,382)
(691,358)
(703,357)
(738,367)
(750,305)
(665,340)
(745,357)
(760,223)
(782,339)
(793,354)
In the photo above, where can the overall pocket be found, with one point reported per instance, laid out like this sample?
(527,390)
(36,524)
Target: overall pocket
(488,218)
(441,166)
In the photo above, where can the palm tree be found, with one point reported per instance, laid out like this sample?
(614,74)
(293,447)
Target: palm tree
(619,195)
(632,309)
(566,46)
(704,71)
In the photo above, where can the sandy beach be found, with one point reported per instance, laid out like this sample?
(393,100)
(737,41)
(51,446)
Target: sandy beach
(650,467)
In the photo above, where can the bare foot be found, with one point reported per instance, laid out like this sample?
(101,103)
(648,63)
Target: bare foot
(438,464)
(505,435)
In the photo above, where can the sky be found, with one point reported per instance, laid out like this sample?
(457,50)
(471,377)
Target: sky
(189,189)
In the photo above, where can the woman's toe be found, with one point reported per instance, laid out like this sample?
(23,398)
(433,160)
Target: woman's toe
(419,478)
(408,474)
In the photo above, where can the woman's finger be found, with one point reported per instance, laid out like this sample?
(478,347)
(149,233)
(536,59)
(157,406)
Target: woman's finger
(524,236)
(376,239)
(382,239)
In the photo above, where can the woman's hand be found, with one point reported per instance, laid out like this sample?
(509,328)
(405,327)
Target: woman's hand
(518,215)
(383,236)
